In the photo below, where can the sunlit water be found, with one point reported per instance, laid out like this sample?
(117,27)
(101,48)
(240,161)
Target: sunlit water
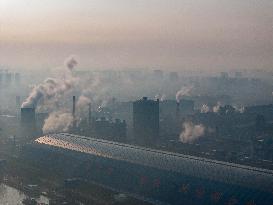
(12,196)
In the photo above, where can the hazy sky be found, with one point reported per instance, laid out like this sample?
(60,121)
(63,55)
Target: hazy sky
(166,34)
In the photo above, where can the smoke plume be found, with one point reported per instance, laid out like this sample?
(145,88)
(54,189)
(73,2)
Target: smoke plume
(205,108)
(217,107)
(82,105)
(70,62)
(52,88)
(58,122)
(184,91)
(160,97)
(191,132)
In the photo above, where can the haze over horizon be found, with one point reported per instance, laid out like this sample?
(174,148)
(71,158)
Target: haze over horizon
(160,34)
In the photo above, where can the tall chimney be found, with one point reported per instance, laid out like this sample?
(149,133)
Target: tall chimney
(89,114)
(178,111)
(74,106)
(74,112)
(18,102)
(28,116)
(18,106)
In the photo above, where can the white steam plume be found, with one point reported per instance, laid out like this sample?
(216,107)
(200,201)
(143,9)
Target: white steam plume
(205,108)
(62,121)
(58,122)
(71,62)
(184,91)
(217,107)
(160,97)
(191,132)
(82,105)
(51,94)
(52,87)
(240,109)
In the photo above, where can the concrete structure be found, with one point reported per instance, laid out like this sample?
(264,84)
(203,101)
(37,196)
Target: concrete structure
(106,129)
(152,175)
(74,113)
(146,120)
(40,120)
(89,115)
(28,115)
(28,122)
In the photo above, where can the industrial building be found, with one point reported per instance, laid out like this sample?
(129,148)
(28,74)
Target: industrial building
(152,175)
(172,108)
(28,121)
(111,130)
(31,122)
(146,120)
(28,115)
(172,114)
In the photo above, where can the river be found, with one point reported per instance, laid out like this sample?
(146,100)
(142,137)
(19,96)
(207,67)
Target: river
(12,196)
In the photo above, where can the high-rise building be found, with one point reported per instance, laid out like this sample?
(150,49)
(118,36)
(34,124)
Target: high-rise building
(28,122)
(27,115)
(146,120)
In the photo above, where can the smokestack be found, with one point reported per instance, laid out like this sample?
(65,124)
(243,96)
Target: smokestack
(74,106)
(74,112)
(18,102)
(89,114)
(178,111)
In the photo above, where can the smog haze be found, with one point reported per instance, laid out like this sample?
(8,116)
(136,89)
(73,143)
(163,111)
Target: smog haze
(121,34)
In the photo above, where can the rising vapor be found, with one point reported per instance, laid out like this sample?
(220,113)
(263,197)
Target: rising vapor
(81,105)
(217,107)
(191,132)
(71,62)
(160,97)
(205,108)
(184,91)
(51,87)
(58,122)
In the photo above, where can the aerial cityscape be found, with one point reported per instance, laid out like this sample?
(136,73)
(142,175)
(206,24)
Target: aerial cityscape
(136,103)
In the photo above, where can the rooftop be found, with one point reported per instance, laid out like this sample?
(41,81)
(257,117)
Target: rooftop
(188,165)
